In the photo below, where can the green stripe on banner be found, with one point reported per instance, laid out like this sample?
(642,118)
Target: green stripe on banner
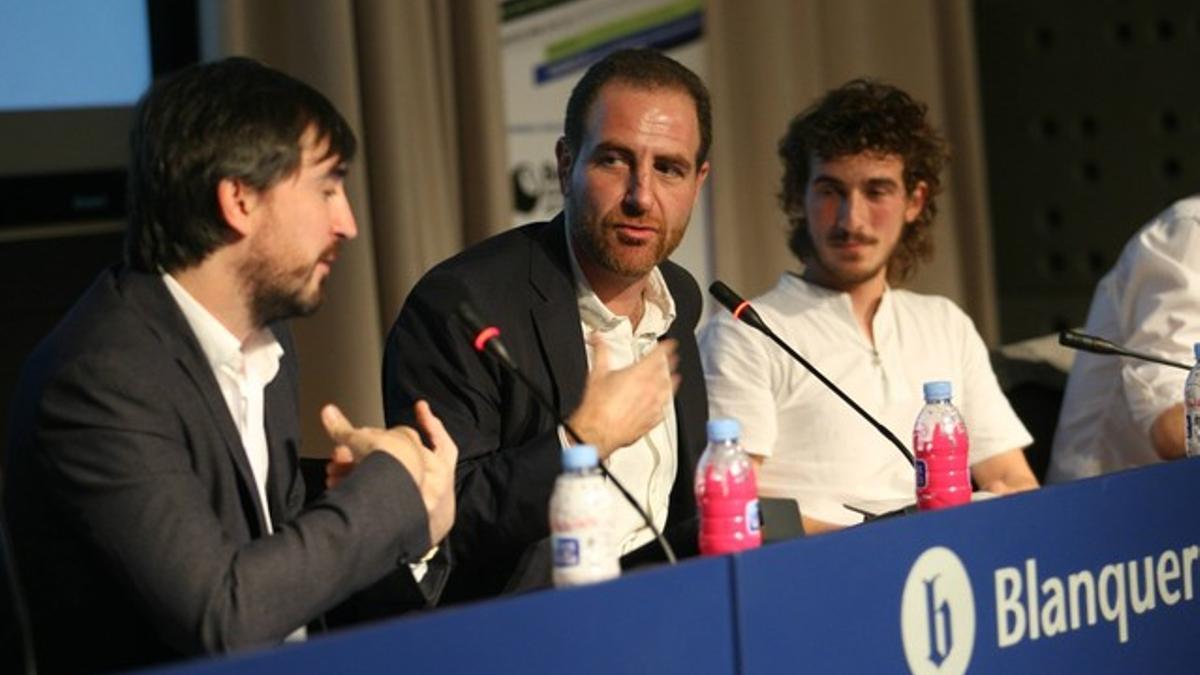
(515,9)
(621,27)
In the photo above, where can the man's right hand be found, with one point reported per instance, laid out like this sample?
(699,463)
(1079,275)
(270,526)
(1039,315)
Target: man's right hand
(432,469)
(621,406)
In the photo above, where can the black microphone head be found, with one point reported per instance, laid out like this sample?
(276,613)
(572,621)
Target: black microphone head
(725,295)
(484,336)
(737,305)
(470,318)
(1087,343)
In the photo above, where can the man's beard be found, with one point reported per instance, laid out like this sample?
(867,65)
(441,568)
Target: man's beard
(592,239)
(277,293)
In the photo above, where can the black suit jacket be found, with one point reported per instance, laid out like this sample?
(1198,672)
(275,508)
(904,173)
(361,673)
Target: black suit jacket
(509,450)
(138,529)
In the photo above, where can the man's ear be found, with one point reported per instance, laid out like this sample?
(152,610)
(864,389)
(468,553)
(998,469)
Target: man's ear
(916,202)
(701,176)
(565,163)
(238,202)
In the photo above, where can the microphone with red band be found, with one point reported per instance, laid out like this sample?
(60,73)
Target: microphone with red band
(741,308)
(1098,345)
(744,312)
(486,338)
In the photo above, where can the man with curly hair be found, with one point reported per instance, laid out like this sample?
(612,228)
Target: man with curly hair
(861,174)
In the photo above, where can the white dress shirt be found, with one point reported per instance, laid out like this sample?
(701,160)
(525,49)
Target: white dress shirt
(817,450)
(647,467)
(1150,302)
(243,370)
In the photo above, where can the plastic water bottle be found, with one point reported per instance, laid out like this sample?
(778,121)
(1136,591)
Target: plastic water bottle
(727,493)
(940,446)
(580,521)
(1191,406)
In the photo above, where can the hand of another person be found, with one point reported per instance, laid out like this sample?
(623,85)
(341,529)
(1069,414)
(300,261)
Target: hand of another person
(341,463)
(432,469)
(438,487)
(621,406)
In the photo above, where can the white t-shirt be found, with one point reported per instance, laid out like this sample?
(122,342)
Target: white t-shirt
(1149,302)
(817,449)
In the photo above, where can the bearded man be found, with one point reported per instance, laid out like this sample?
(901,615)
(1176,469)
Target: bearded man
(152,478)
(591,311)
(861,173)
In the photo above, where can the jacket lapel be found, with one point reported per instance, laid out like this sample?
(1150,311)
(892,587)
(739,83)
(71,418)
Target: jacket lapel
(284,483)
(556,316)
(162,312)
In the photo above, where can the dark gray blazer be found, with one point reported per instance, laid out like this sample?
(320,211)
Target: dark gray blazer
(509,451)
(139,533)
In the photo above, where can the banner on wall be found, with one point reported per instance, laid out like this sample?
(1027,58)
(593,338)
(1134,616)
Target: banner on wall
(546,47)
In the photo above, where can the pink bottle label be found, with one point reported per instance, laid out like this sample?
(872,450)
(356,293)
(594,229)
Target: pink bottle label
(729,517)
(943,473)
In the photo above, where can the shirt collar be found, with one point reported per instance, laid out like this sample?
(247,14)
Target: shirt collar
(882,321)
(818,291)
(221,348)
(660,306)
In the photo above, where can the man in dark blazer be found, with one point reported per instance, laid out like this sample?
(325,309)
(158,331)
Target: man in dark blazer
(152,480)
(631,164)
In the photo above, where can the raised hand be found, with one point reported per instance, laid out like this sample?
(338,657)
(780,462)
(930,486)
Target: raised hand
(621,406)
(432,469)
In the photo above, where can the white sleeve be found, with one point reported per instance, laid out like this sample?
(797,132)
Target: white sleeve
(993,426)
(737,372)
(1159,313)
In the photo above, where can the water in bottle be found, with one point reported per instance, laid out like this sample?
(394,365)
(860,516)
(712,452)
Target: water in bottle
(940,447)
(1191,406)
(726,493)
(580,521)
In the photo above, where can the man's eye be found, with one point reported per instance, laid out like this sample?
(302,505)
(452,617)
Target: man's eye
(671,169)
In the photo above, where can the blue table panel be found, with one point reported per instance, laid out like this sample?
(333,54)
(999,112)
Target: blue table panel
(834,603)
(655,621)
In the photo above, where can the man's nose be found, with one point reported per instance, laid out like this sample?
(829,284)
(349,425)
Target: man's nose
(344,225)
(638,193)
(853,214)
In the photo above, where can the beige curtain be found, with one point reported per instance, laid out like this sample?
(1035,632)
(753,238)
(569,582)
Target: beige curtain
(419,81)
(771,58)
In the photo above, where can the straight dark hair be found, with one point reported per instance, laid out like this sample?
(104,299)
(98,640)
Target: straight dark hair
(642,68)
(234,118)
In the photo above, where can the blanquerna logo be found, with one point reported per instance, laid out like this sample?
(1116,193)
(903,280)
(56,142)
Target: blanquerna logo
(937,614)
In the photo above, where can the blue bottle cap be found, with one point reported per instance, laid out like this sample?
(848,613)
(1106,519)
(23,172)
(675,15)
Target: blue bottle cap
(1196,350)
(938,390)
(724,429)
(579,457)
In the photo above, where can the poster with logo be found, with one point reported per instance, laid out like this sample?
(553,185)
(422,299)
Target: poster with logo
(546,47)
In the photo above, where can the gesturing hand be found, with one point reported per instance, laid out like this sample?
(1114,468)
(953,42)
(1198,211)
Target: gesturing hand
(438,487)
(432,469)
(621,406)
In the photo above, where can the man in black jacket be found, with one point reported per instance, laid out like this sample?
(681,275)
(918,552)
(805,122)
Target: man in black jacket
(152,481)
(592,312)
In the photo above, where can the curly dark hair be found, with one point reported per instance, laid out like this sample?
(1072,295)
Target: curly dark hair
(860,116)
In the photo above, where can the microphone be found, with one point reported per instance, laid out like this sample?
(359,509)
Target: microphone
(486,338)
(744,312)
(1098,345)
(740,308)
